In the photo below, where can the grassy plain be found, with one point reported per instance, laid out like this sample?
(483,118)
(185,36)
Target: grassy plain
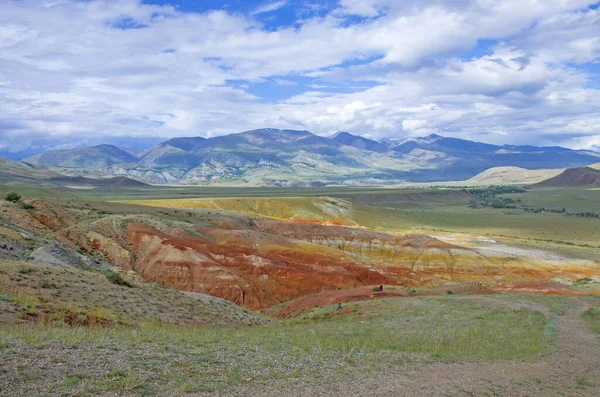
(409,209)
(425,210)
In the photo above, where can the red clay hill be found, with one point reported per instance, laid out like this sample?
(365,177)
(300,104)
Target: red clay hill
(581,176)
(260,262)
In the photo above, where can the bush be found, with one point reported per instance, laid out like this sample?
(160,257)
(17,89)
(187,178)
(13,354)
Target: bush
(583,281)
(13,197)
(27,206)
(24,270)
(116,278)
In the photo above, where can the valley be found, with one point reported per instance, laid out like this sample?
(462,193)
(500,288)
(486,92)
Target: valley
(240,286)
(277,198)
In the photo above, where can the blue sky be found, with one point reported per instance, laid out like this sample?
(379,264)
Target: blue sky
(134,72)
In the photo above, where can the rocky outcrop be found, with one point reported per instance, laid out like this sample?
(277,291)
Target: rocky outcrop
(115,254)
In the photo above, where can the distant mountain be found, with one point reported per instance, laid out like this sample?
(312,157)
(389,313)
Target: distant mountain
(580,176)
(11,171)
(471,158)
(119,181)
(19,172)
(91,158)
(299,158)
(347,138)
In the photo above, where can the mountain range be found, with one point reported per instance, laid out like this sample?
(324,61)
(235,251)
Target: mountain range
(299,158)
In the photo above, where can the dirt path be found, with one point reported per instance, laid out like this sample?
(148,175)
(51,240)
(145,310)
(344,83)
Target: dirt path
(576,356)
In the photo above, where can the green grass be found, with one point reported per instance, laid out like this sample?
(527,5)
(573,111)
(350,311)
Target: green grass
(115,278)
(510,223)
(555,304)
(592,319)
(446,328)
(431,210)
(25,270)
(436,328)
(574,199)
(584,383)
(365,336)
(23,297)
(181,192)
(397,209)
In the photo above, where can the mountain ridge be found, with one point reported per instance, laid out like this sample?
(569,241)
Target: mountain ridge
(299,158)
(93,157)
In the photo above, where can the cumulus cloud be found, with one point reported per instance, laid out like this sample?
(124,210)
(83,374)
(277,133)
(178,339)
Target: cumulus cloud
(73,70)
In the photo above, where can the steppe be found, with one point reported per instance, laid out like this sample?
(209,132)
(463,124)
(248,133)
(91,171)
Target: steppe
(146,290)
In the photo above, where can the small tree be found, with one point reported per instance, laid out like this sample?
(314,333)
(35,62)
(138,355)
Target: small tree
(13,197)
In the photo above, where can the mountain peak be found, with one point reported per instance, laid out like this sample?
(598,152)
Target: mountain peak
(93,157)
(186,143)
(273,135)
(357,141)
(105,146)
(431,138)
(343,134)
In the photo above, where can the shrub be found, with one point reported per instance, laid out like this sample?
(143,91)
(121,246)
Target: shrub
(13,197)
(27,206)
(583,281)
(24,270)
(116,278)
(46,284)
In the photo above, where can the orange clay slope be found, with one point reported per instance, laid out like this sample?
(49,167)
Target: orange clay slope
(260,262)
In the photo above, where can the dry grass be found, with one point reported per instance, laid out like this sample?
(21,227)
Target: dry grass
(365,336)
(54,294)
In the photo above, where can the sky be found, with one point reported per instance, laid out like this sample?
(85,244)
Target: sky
(133,73)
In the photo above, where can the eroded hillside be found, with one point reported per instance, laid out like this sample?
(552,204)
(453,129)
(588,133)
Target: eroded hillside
(255,261)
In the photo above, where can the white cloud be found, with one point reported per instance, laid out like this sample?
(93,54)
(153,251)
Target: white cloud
(283,82)
(413,125)
(270,7)
(78,69)
(359,7)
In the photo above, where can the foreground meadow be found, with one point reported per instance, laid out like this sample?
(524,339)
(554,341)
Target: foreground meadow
(322,347)
(509,342)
